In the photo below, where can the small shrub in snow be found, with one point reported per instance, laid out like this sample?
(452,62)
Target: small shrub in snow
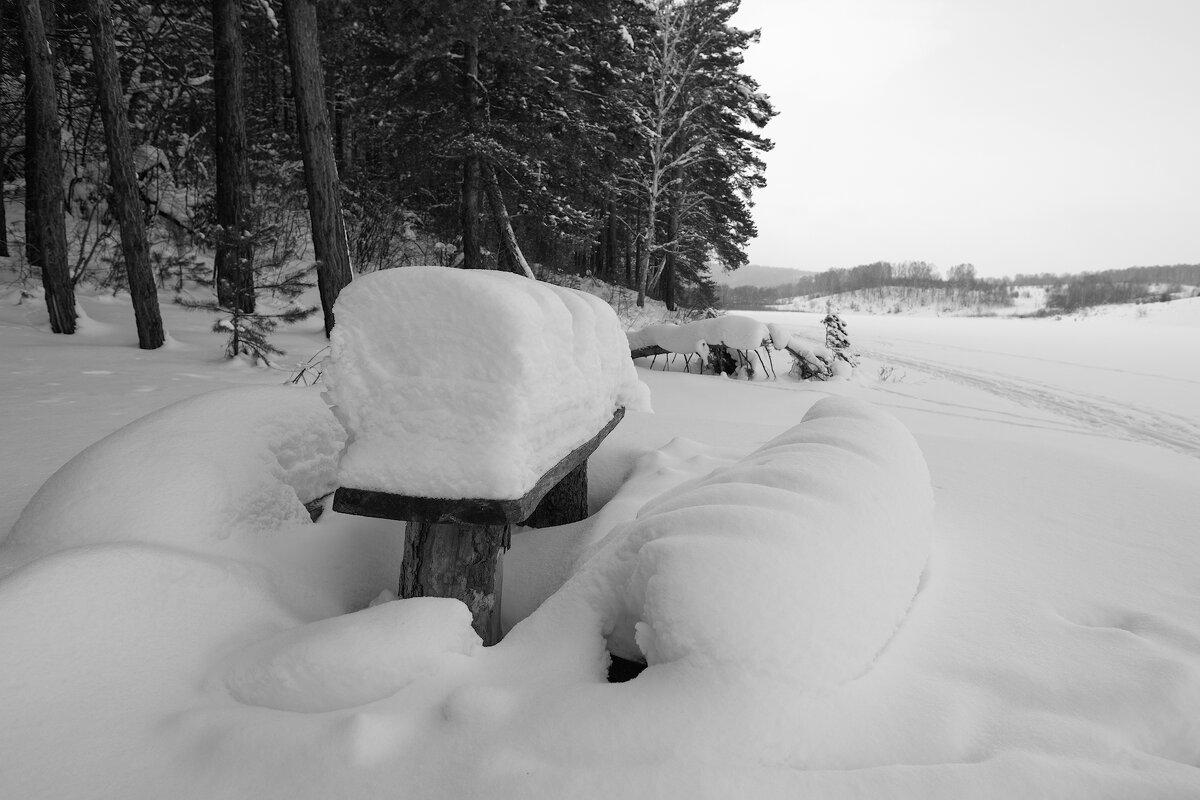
(248,332)
(721,361)
(811,364)
(310,372)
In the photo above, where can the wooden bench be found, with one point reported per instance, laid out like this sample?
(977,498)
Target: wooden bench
(453,547)
(654,351)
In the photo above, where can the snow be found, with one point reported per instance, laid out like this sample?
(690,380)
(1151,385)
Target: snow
(251,458)
(545,368)
(175,626)
(355,659)
(733,331)
(830,520)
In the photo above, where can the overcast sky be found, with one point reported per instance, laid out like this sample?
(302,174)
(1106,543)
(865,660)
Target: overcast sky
(1017,135)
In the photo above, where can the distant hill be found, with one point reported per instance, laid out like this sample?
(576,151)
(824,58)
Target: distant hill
(757,275)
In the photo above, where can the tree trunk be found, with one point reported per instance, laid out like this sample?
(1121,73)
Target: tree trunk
(508,239)
(234,261)
(343,133)
(647,246)
(610,252)
(460,561)
(127,198)
(33,250)
(316,146)
(471,161)
(667,281)
(3,214)
(628,259)
(45,226)
(3,171)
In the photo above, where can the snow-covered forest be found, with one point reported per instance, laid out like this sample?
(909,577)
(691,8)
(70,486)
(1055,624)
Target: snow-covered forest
(618,139)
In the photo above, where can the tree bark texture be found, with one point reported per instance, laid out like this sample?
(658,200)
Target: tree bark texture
(472,258)
(628,259)
(126,198)
(647,245)
(667,280)
(508,238)
(316,145)
(459,561)
(45,226)
(610,250)
(33,230)
(234,262)
(3,214)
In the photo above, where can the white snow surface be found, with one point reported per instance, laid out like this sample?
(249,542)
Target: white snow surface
(540,370)
(175,626)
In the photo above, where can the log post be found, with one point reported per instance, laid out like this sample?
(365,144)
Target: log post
(566,503)
(460,561)
(454,547)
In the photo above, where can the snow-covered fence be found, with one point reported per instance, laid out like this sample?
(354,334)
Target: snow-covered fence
(472,400)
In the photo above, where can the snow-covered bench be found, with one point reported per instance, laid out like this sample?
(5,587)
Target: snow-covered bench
(471,400)
(733,334)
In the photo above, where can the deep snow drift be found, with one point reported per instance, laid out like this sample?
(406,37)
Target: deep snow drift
(175,626)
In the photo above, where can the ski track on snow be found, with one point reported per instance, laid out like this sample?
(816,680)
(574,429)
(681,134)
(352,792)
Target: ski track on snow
(1130,422)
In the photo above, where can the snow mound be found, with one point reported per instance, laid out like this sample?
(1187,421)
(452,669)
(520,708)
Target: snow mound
(796,563)
(354,659)
(537,371)
(236,464)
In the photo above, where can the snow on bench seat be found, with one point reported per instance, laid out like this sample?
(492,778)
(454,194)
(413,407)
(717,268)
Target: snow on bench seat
(731,330)
(471,383)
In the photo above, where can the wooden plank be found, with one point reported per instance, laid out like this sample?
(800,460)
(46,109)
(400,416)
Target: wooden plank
(647,351)
(470,511)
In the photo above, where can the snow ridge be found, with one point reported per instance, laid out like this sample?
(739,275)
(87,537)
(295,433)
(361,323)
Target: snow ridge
(796,563)
(210,474)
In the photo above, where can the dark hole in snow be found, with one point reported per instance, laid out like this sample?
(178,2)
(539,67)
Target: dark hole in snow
(622,669)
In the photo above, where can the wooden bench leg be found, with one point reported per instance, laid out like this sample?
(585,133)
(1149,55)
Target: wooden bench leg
(567,502)
(460,561)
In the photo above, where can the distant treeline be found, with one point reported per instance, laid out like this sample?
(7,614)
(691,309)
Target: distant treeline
(917,274)
(1129,285)
(1183,274)
(1066,292)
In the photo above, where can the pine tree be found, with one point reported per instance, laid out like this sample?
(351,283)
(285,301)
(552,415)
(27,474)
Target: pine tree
(836,339)
(44,209)
(234,259)
(699,157)
(125,194)
(320,169)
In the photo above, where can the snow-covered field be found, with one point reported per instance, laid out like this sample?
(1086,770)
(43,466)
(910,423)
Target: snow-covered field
(173,626)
